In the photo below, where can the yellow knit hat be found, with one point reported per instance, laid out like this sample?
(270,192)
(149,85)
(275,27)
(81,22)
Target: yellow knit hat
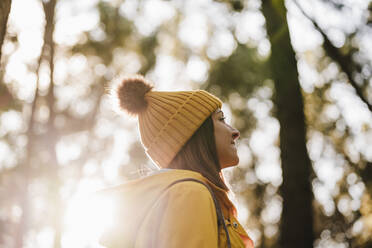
(167,120)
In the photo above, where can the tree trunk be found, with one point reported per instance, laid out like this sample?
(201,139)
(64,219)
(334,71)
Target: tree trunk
(296,228)
(55,184)
(47,53)
(5,96)
(4,13)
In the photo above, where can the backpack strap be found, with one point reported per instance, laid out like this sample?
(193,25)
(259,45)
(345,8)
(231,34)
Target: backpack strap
(220,218)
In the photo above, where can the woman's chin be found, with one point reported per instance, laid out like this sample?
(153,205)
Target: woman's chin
(232,163)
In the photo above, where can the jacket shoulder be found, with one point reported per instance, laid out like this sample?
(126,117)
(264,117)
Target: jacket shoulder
(190,188)
(184,216)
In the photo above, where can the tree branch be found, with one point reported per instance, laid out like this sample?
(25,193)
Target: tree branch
(335,54)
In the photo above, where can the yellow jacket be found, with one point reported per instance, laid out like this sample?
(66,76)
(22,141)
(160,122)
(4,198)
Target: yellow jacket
(182,216)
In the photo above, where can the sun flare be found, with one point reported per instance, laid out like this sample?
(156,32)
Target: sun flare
(85,220)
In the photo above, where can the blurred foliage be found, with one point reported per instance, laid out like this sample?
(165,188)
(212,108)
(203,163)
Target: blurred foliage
(114,31)
(86,135)
(243,71)
(235,79)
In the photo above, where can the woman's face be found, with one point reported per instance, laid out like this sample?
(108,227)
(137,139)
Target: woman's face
(225,136)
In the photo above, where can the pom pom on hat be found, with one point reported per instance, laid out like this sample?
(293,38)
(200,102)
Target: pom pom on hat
(131,94)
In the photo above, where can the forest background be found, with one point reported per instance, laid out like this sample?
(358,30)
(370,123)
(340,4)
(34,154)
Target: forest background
(295,77)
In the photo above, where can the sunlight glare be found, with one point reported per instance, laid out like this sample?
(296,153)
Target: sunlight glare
(197,69)
(193,30)
(155,13)
(11,122)
(45,237)
(86,218)
(66,31)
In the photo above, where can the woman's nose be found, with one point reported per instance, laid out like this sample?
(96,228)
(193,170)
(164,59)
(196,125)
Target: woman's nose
(235,134)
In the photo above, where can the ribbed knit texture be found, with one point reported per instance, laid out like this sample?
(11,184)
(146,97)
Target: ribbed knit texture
(170,120)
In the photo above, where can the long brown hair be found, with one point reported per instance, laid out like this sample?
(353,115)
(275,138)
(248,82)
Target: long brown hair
(200,154)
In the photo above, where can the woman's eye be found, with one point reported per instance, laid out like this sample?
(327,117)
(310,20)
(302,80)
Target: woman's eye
(222,119)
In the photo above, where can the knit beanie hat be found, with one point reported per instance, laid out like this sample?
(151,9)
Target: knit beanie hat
(166,120)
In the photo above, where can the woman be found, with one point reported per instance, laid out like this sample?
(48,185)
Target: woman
(186,135)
